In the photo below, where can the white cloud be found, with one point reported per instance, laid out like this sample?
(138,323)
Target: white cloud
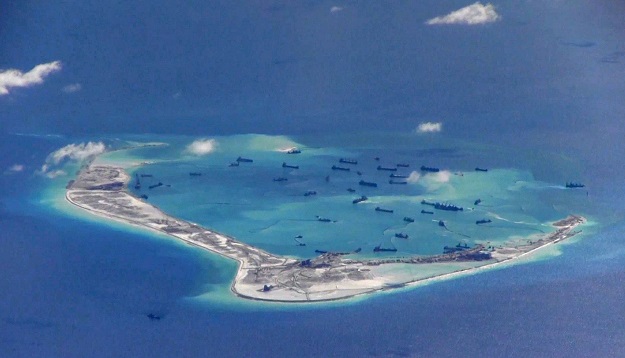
(74,87)
(16,168)
(413,177)
(76,152)
(55,173)
(202,146)
(475,14)
(16,78)
(335,9)
(441,177)
(430,127)
(71,152)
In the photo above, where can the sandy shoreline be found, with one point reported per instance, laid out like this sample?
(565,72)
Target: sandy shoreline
(102,191)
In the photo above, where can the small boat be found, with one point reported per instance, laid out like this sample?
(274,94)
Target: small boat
(441,223)
(321,251)
(398,176)
(310,193)
(280,179)
(234,164)
(155,185)
(146,175)
(387,168)
(334,167)
(401,235)
(348,161)
(138,182)
(323,220)
(293,151)
(408,219)
(153,317)
(403,165)
(382,210)
(452,249)
(381,249)
(397,181)
(573,185)
(447,207)
(366,183)
(195,174)
(359,200)
(483,221)
(429,169)
(351,190)
(244,160)
(284,165)
(427,212)
(144,197)
(481,170)
(477,201)
(359,172)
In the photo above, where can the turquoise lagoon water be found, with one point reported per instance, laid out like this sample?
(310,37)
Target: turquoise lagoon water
(247,203)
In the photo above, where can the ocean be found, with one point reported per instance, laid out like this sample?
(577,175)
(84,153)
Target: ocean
(535,97)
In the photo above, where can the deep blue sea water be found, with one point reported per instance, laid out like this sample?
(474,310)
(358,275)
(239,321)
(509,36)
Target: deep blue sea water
(545,83)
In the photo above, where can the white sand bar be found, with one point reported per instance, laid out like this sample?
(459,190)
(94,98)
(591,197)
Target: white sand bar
(102,190)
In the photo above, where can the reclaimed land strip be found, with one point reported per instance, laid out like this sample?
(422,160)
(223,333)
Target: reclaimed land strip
(102,190)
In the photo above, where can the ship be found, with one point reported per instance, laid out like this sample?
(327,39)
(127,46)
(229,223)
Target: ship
(334,167)
(195,174)
(234,164)
(397,182)
(153,317)
(572,185)
(348,161)
(403,165)
(377,208)
(447,207)
(429,169)
(359,200)
(244,160)
(398,176)
(284,165)
(427,212)
(293,151)
(401,235)
(477,202)
(299,243)
(155,185)
(137,183)
(387,168)
(481,169)
(452,249)
(408,219)
(367,183)
(381,249)
(483,221)
(280,179)
(310,193)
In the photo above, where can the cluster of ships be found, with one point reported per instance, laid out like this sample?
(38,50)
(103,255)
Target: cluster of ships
(346,165)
